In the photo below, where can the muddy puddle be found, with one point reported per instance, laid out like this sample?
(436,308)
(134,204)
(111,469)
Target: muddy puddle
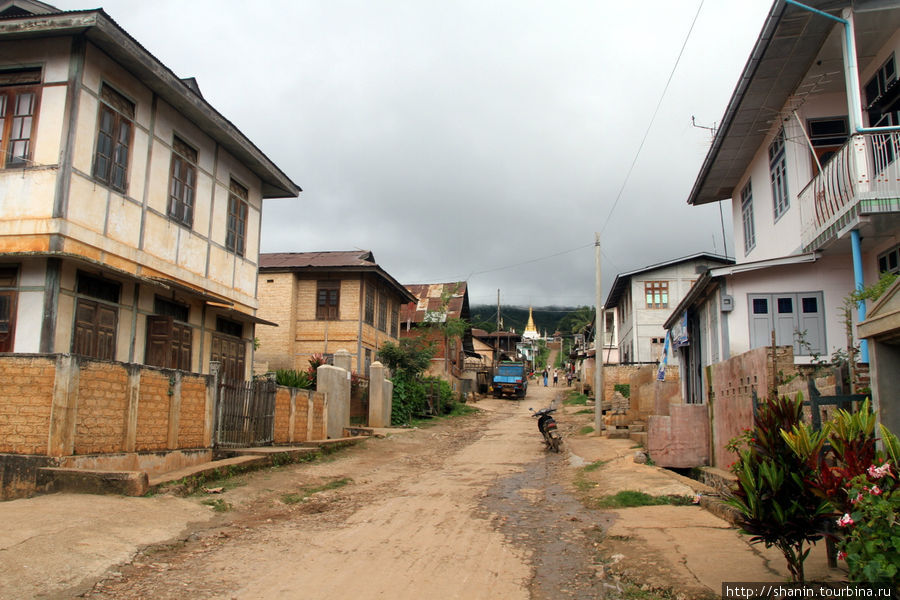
(534,511)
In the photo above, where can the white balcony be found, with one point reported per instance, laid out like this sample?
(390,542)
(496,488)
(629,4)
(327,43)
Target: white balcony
(859,187)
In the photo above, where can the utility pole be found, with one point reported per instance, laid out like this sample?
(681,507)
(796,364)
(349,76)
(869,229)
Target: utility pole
(598,343)
(498,309)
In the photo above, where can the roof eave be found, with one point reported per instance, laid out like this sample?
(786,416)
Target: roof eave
(814,36)
(102,30)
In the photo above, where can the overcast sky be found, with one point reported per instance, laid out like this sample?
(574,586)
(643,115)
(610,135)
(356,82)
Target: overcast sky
(455,139)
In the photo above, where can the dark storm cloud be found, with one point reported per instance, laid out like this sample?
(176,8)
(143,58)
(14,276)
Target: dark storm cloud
(453,138)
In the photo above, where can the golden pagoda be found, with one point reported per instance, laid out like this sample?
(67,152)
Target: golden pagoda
(531,332)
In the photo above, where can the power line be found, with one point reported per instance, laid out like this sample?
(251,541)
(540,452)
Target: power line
(652,119)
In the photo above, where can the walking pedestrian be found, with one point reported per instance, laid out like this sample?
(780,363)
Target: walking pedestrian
(555,377)
(545,377)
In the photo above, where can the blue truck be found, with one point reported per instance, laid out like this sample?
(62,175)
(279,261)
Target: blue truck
(510,380)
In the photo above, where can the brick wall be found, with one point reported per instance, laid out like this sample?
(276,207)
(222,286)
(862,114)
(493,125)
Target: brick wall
(301,417)
(61,405)
(102,406)
(25,401)
(277,297)
(319,425)
(282,415)
(192,419)
(153,411)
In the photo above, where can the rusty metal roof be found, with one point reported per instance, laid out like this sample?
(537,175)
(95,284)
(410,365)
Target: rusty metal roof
(305,260)
(430,299)
(356,261)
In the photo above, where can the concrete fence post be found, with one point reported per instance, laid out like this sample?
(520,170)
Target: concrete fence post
(64,406)
(174,410)
(212,410)
(376,395)
(343,360)
(335,382)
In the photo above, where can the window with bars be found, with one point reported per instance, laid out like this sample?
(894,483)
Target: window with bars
(19,93)
(778,172)
(235,236)
(370,306)
(115,124)
(657,294)
(183,182)
(328,299)
(747,218)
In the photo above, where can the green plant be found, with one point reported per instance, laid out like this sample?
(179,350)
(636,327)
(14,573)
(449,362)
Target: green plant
(575,399)
(623,388)
(631,498)
(594,465)
(871,542)
(586,430)
(776,505)
(293,378)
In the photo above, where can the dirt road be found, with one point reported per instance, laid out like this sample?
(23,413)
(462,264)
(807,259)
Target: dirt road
(471,508)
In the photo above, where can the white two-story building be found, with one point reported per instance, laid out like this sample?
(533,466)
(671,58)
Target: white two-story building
(129,207)
(806,155)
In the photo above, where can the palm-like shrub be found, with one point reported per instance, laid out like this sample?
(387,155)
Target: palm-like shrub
(776,505)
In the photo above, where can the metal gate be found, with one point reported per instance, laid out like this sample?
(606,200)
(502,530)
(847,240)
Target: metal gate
(245,413)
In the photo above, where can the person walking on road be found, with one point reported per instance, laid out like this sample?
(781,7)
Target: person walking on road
(555,377)
(545,377)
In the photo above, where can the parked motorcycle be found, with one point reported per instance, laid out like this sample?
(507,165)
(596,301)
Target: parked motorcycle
(547,427)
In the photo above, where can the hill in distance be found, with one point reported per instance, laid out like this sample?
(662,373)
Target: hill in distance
(546,318)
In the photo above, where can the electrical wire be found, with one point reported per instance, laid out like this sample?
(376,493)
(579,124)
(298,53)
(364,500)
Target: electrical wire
(652,119)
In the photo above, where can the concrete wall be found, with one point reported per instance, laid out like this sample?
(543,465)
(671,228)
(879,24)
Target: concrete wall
(732,383)
(681,438)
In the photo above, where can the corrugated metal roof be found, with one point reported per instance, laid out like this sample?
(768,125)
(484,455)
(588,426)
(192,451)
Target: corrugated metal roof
(301,260)
(360,261)
(430,302)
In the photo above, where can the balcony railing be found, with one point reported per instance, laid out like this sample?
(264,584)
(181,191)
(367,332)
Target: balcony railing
(862,178)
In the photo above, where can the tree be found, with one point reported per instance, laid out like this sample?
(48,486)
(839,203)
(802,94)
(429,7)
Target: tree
(407,360)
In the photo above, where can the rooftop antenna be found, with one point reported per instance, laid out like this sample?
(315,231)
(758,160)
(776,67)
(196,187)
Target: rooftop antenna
(712,130)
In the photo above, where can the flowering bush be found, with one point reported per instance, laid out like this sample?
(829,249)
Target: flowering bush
(871,540)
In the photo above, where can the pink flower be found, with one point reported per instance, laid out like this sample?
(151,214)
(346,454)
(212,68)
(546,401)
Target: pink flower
(879,472)
(857,499)
(845,521)
(841,555)
(875,491)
